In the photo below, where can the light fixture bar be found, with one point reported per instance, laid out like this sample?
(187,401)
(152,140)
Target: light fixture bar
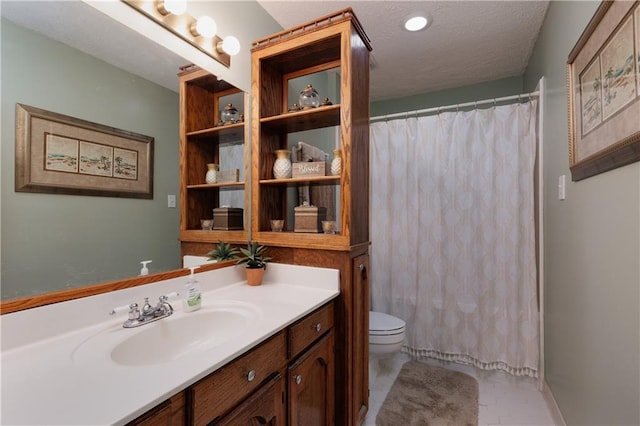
(180,25)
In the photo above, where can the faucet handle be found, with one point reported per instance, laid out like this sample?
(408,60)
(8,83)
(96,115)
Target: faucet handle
(168,296)
(123,308)
(147,306)
(134,313)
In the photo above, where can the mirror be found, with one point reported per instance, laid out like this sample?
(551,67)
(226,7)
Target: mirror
(315,144)
(52,242)
(232,155)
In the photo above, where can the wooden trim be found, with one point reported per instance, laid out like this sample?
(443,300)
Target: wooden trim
(15,305)
(625,152)
(314,25)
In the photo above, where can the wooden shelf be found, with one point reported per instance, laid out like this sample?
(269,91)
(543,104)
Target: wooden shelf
(233,185)
(203,142)
(293,181)
(298,121)
(334,242)
(200,236)
(220,134)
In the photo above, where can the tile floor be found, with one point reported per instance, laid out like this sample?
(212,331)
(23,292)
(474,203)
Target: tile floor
(503,399)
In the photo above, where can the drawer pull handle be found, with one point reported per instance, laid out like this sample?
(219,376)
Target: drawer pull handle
(298,379)
(251,375)
(318,327)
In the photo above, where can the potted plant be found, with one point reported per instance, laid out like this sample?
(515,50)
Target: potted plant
(255,261)
(223,251)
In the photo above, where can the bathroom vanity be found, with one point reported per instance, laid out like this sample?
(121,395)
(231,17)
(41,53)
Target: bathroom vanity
(264,353)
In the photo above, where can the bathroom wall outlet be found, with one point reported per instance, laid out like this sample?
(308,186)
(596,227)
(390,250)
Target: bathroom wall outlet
(171,200)
(561,188)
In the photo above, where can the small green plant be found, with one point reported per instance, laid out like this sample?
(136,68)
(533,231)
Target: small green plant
(254,256)
(223,251)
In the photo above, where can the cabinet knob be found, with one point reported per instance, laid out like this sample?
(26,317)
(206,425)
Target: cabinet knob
(317,327)
(298,379)
(251,375)
(363,271)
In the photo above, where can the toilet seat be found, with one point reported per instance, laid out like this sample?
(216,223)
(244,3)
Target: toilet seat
(381,324)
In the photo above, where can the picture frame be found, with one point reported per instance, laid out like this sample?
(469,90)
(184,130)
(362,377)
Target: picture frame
(59,154)
(603,88)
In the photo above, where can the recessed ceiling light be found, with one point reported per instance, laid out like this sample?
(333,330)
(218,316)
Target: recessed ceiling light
(416,23)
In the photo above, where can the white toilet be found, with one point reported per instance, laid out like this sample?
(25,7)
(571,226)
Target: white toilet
(386,334)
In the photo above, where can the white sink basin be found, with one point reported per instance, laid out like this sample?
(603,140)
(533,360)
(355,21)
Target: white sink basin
(174,337)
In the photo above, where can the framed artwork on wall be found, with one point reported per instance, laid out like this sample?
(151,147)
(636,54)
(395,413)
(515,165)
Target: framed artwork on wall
(603,87)
(58,154)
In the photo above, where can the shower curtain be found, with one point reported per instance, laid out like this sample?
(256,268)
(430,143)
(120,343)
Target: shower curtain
(453,234)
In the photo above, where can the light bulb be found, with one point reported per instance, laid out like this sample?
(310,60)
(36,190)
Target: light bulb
(177,7)
(416,23)
(231,45)
(206,26)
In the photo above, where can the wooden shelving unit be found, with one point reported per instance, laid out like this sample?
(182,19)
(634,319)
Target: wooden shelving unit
(201,139)
(330,42)
(327,43)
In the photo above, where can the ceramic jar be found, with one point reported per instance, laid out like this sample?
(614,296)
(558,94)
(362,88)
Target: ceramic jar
(212,173)
(309,98)
(336,163)
(282,165)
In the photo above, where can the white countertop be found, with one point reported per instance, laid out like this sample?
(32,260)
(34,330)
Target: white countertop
(56,360)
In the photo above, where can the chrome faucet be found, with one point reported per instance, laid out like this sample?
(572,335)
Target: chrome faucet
(148,314)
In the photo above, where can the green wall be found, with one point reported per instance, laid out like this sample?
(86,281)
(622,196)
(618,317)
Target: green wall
(487,90)
(52,242)
(592,254)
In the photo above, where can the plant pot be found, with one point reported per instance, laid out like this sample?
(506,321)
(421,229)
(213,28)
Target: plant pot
(254,276)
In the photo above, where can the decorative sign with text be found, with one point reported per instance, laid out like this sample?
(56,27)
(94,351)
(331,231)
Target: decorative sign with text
(308,169)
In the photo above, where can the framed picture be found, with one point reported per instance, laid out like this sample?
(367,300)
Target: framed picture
(603,85)
(58,154)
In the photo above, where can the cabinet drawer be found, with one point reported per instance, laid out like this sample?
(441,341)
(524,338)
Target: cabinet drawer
(215,395)
(309,329)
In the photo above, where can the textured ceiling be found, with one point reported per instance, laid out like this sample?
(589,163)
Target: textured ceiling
(468,42)
(79,25)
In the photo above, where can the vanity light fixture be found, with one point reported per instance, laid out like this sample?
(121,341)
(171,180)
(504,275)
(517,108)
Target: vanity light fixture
(230,45)
(176,7)
(204,26)
(416,23)
(200,33)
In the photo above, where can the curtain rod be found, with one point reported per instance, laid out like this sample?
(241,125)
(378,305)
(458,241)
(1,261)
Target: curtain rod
(455,106)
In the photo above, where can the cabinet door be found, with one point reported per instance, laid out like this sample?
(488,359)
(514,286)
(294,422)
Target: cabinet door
(169,413)
(311,386)
(264,407)
(360,271)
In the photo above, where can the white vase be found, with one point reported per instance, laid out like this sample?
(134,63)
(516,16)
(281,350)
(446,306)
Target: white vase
(212,173)
(282,165)
(336,163)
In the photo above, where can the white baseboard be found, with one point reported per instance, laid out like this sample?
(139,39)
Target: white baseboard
(558,420)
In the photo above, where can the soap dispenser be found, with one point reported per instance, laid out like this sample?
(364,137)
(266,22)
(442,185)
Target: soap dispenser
(145,269)
(192,299)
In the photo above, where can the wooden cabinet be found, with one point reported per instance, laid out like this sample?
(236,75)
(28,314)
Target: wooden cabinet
(252,389)
(333,43)
(203,140)
(265,407)
(215,395)
(169,413)
(311,386)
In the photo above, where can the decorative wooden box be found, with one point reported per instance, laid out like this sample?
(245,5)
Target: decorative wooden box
(228,218)
(309,218)
(308,169)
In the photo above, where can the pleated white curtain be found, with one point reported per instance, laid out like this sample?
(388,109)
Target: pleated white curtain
(453,234)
